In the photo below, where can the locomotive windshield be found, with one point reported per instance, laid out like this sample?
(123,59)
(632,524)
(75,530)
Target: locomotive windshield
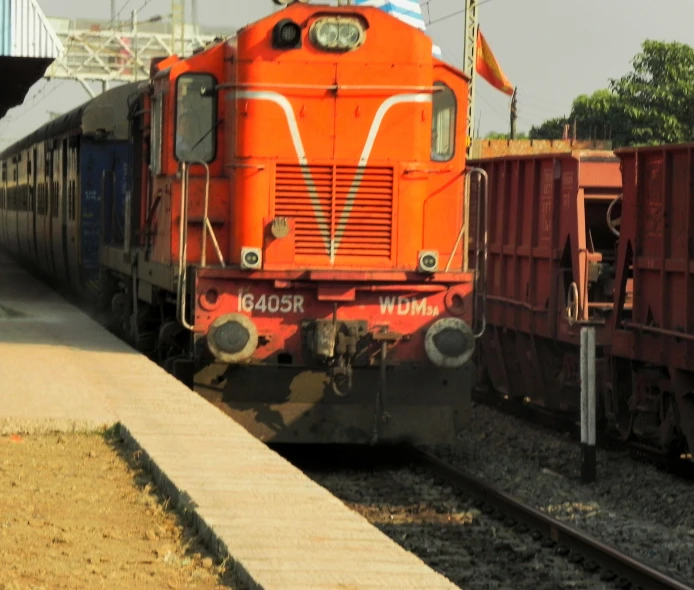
(443,124)
(195,118)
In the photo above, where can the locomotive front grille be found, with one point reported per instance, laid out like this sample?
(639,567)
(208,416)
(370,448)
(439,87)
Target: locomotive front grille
(338,210)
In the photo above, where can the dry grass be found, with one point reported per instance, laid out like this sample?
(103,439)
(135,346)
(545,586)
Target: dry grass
(79,512)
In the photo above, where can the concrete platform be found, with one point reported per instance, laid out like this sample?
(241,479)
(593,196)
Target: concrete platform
(59,370)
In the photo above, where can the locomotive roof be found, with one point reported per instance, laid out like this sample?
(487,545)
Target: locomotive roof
(107,113)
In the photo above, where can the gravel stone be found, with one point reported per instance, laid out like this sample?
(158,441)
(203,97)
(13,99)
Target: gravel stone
(645,512)
(450,533)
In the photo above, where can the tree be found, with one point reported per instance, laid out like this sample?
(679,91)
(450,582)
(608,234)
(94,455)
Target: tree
(601,116)
(652,104)
(658,96)
(550,129)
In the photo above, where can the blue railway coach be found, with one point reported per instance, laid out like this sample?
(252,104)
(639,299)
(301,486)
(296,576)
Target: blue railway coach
(51,188)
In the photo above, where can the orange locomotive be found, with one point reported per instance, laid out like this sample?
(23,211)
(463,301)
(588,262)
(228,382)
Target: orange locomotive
(300,252)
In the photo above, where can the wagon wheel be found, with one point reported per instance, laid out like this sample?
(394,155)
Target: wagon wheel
(613,224)
(572,303)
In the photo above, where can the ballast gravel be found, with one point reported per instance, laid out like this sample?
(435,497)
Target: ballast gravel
(645,512)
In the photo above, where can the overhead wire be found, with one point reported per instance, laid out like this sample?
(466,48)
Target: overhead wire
(114,18)
(452,14)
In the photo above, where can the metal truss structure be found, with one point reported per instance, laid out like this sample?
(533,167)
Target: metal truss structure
(470,62)
(96,53)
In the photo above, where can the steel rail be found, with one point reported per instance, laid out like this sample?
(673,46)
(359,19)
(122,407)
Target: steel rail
(582,543)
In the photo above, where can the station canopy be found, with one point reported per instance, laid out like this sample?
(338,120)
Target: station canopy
(28,45)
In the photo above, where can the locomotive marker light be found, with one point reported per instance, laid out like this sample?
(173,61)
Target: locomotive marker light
(286,35)
(251,258)
(449,343)
(428,261)
(588,405)
(337,34)
(232,338)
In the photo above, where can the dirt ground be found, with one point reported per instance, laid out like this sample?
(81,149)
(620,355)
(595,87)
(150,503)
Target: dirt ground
(78,512)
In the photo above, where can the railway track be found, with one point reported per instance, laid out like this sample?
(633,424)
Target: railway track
(477,536)
(618,569)
(565,537)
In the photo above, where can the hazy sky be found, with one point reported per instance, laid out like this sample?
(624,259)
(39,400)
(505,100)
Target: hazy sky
(552,50)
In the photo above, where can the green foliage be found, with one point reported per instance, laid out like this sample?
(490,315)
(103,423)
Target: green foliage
(550,129)
(657,98)
(652,104)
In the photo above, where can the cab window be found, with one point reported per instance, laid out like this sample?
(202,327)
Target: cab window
(196,118)
(443,123)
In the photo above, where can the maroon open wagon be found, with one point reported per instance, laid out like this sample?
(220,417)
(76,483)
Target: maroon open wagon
(656,252)
(550,269)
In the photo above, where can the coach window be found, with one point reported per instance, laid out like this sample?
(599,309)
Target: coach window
(443,123)
(196,118)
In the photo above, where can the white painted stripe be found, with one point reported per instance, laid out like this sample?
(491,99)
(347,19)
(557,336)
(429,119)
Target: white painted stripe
(366,153)
(286,106)
(323,222)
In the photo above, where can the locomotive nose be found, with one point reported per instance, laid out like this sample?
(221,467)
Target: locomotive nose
(449,343)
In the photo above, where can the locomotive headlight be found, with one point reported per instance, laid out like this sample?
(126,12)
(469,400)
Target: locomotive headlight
(326,34)
(337,34)
(251,258)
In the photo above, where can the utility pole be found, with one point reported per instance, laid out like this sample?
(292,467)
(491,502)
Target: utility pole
(178,24)
(470,62)
(194,15)
(514,113)
(469,67)
(114,14)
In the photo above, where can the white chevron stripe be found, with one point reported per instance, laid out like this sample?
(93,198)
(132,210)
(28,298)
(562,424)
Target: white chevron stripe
(322,216)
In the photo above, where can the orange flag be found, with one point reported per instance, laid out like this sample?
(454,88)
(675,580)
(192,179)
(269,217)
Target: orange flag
(489,68)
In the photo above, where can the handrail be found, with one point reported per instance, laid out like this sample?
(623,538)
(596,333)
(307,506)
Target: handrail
(183,238)
(206,225)
(183,251)
(481,236)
